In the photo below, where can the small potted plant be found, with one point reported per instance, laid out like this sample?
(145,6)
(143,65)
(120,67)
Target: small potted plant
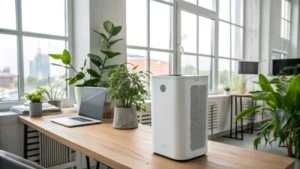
(54,94)
(226,90)
(128,88)
(36,102)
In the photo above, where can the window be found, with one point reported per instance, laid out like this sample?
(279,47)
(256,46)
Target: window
(231,33)
(25,44)
(285,19)
(278,55)
(150,35)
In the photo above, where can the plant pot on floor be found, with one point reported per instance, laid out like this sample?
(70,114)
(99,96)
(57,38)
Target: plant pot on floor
(125,118)
(35,109)
(56,103)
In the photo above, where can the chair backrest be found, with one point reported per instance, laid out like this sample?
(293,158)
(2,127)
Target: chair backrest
(11,161)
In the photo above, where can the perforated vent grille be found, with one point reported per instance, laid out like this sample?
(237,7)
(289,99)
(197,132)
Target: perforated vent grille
(198,116)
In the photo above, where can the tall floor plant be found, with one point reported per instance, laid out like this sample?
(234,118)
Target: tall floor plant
(283,99)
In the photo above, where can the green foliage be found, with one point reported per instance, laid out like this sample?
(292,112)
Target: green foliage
(283,99)
(99,61)
(35,97)
(290,70)
(53,93)
(227,88)
(128,87)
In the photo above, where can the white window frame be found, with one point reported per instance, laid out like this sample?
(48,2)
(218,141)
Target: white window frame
(286,32)
(19,33)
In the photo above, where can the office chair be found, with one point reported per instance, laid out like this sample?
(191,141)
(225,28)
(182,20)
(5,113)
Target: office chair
(11,161)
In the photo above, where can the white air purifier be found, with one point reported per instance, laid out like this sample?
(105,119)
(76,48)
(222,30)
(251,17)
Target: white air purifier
(179,116)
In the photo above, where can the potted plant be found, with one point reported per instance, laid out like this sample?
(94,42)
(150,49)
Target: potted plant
(96,79)
(36,102)
(54,94)
(282,97)
(226,90)
(128,88)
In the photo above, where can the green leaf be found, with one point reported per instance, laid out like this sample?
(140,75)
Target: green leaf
(281,118)
(102,35)
(265,84)
(110,54)
(92,82)
(95,59)
(66,57)
(116,30)
(55,56)
(93,73)
(246,112)
(114,41)
(108,26)
(73,81)
(80,76)
(84,64)
(297,113)
(110,67)
(261,95)
(55,64)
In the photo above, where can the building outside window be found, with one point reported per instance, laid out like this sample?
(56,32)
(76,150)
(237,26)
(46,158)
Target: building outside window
(29,31)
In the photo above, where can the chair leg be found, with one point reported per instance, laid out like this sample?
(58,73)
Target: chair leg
(98,165)
(87,162)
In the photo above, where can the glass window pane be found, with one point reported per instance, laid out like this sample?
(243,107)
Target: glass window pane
(235,83)
(224,39)
(7,14)
(188,65)
(191,1)
(8,68)
(137,57)
(206,34)
(161,25)
(189,32)
(237,42)
(136,22)
(224,10)
(224,73)
(282,29)
(47,16)
(282,8)
(160,63)
(37,63)
(237,12)
(209,4)
(206,67)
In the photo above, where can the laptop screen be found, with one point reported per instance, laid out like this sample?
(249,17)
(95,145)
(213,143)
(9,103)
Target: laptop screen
(92,102)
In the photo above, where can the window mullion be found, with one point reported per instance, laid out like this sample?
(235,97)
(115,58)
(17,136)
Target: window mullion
(148,43)
(20,48)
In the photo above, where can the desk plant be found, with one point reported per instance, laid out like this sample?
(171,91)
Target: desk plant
(36,102)
(100,62)
(127,87)
(53,94)
(283,99)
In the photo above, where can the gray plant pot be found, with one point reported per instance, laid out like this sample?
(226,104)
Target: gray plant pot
(35,109)
(125,118)
(56,103)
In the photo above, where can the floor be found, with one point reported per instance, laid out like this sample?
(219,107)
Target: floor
(248,143)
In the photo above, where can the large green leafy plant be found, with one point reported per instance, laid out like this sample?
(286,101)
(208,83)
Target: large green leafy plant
(283,99)
(100,62)
(128,87)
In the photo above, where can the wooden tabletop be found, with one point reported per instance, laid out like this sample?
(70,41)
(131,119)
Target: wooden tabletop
(133,148)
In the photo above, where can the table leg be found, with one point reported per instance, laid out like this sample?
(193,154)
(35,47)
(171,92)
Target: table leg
(231,112)
(236,124)
(25,141)
(88,166)
(242,127)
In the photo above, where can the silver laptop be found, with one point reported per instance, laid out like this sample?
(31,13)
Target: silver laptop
(90,111)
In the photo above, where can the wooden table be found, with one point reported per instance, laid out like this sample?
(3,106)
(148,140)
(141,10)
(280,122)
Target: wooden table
(133,148)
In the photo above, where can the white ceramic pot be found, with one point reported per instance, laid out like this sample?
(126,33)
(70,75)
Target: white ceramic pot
(125,118)
(78,95)
(35,109)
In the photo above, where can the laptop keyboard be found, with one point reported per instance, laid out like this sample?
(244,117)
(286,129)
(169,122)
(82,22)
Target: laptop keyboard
(80,119)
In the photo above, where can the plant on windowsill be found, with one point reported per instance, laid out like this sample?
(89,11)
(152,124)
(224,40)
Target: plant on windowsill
(36,102)
(226,90)
(127,87)
(97,76)
(282,97)
(53,94)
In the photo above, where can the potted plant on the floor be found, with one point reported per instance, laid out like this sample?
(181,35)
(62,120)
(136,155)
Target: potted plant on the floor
(128,88)
(283,99)
(97,76)
(35,107)
(54,94)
